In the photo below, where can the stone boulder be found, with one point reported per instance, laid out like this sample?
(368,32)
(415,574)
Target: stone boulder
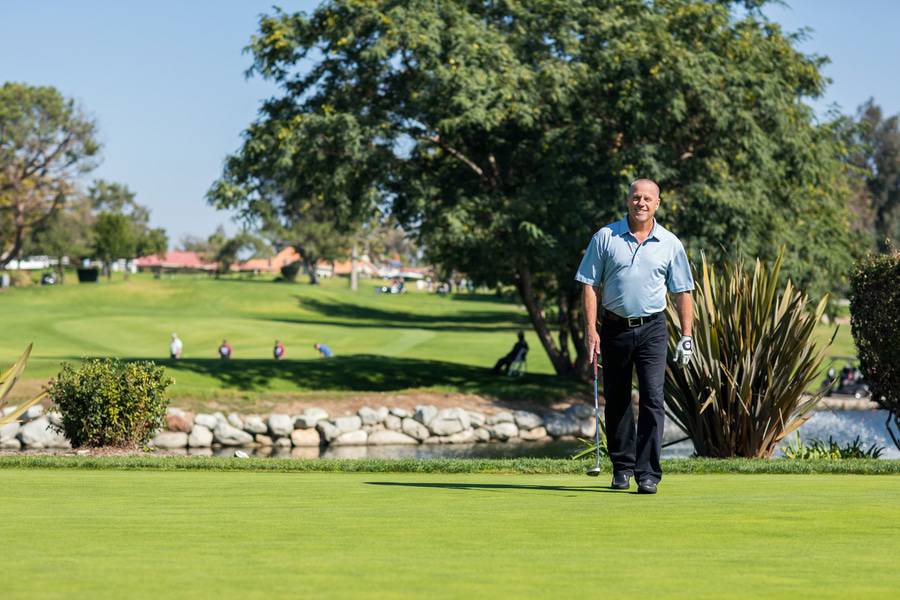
(348,424)
(283,443)
(393,422)
(235,420)
(587,427)
(449,421)
(531,435)
(527,420)
(425,413)
(390,438)
(170,440)
(206,420)
(305,421)
(372,416)
(504,431)
(305,438)
(466,436)
(200,437)
(32,413)
(482,435)
(9,431)
(500,417)
(10,444)
(415,429)
(580,411)
(56,419)
(476,419)
(255,424)
(228,435)
(327,430)
(179,421)
(264,440)
(357,437)
(39,434)
(561,424)
(400,412)
(280,425)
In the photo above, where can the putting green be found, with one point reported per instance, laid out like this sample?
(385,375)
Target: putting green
(140,534)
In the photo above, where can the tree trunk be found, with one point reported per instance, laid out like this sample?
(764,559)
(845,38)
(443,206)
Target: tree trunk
(539,321)
(354,274)
(59,269)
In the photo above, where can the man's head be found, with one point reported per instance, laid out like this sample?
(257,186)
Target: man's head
(174,336)
(521,336)
(316,346)
(643,200)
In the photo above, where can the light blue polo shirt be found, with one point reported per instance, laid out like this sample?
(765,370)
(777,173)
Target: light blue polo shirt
(635,276)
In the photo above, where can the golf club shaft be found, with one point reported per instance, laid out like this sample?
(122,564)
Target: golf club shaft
(596,411)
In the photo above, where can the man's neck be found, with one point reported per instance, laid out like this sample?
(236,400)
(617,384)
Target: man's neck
(640,229)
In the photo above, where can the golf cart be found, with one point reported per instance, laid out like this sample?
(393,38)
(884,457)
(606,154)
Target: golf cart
(848,382)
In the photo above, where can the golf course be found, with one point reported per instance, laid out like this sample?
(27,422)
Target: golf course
(202,534)
(383,343)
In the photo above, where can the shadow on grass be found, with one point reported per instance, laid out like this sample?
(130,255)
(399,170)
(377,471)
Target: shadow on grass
(371,373)
(344,313)
(499,486)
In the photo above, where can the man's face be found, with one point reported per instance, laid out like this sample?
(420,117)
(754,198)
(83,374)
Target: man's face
(643,202)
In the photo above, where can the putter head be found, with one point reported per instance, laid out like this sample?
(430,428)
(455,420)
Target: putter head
(593,472)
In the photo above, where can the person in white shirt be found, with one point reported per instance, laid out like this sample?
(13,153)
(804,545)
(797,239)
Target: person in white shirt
(175,347)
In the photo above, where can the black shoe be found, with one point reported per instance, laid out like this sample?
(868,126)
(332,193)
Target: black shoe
(621,480)
(646,486)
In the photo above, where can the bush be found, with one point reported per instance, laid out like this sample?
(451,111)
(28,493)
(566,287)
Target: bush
(20,278)
(830,450)
(875,323)
(110,403)
(291,270)
(754,358)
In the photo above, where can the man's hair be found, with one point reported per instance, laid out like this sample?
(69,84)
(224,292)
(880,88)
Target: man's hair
(521,335)
(640,180)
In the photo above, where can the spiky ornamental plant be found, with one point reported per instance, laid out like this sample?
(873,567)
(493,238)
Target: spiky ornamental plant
(8,380)
(754,358)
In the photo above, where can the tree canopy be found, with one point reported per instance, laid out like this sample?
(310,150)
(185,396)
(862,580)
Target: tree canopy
(46,143)
(504,134)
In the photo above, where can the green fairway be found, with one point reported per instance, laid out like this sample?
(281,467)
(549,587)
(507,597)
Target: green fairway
(179,534)
(383,343)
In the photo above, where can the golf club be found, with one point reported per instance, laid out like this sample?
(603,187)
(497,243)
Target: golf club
(595,470)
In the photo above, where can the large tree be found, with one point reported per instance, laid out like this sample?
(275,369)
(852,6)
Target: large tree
(505,133)
(878,155)
(69,232)
(46,143)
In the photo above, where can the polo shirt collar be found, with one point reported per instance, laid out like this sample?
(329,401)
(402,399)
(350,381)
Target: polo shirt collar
(653,232)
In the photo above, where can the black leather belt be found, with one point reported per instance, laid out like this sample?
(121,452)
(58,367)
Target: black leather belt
(628,321)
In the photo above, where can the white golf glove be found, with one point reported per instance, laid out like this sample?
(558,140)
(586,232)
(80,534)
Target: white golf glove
(683,351)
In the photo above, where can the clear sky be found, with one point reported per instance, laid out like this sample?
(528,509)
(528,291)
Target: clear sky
(165,81)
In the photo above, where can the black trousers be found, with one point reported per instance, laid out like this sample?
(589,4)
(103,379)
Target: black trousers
(623,350)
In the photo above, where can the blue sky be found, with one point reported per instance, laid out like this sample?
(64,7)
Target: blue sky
(165,80)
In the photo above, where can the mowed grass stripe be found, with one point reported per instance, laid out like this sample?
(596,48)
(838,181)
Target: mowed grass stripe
(258,535)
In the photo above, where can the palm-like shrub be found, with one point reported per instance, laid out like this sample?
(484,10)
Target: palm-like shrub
(8,380)
(754,357)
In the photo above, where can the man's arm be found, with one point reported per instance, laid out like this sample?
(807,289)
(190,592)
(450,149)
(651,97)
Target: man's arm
(684,304)
(591,336)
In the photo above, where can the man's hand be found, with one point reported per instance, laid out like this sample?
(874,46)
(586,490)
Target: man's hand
(592,343)
(684,351)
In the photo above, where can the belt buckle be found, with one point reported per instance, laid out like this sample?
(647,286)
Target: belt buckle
(634,321)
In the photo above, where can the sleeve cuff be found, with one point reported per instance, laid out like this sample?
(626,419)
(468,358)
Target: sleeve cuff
(583,279)
(682,289)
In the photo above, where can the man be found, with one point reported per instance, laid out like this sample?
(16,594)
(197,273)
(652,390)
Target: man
(278,350)
(506,361)
(634,261)
(175,347)
(324,350)
(225,350)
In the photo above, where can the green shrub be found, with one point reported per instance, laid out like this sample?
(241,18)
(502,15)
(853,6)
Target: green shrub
(20,278)
(875,323)
(830,450)
(110,403)
(754,358)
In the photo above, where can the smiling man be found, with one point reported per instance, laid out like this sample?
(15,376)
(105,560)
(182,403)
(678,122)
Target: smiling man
(635,261)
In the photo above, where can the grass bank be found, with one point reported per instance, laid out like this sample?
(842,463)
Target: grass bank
(545,466)
(209,534)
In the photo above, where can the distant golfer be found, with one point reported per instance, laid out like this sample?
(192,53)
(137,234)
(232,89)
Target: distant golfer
(224,350)
(175,347)
(324,350)
(278,350)
(634,261)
